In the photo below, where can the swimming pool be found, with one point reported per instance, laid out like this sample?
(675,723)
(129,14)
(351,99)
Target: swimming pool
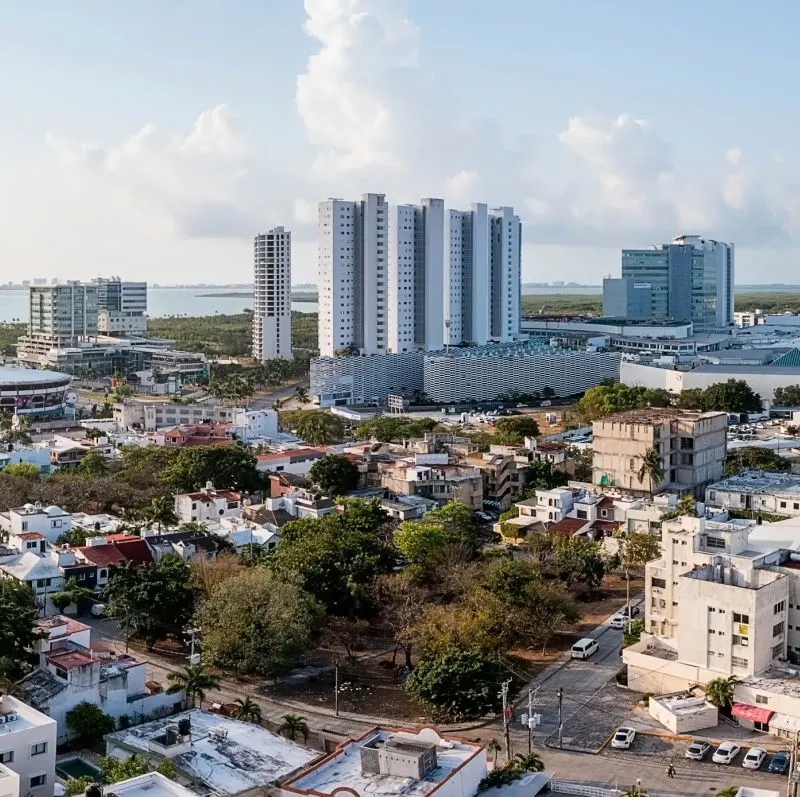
(74,768)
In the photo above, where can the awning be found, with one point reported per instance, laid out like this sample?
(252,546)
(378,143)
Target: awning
(785,722)
(752,713)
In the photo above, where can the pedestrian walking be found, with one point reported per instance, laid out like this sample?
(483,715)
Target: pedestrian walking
(671,770)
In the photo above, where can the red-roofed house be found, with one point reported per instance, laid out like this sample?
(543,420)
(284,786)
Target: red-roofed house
(295,460)
(203,434)
(207,505)
(569,526)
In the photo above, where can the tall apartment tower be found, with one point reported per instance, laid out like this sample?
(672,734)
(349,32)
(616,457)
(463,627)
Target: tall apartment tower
(272,295)
(400,278)
(62,315)
(691,279)
(121,306)
(353,275)
(506,243)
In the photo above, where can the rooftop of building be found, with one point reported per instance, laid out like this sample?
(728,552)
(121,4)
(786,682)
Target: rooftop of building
(342,768)
(759,481)
(151,784)
(647,415)
(608,320)
(28,566)
(60,624)
(13,376)
(228,755)
(28,717)
(524,348)
(781,681)
(292,454)
(682,704)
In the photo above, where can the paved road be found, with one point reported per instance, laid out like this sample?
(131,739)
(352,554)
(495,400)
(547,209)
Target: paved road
(579,681)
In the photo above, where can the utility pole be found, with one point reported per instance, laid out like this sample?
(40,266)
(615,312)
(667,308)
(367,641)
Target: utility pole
(194,658)
(506,731)
(560,694)
(336,687)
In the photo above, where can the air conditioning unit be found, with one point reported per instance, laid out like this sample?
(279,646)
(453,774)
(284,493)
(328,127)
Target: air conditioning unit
(11,716)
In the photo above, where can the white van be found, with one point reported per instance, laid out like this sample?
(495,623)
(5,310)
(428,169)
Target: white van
(584,648)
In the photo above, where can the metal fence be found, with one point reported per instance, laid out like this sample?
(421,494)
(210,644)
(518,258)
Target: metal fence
(564,787)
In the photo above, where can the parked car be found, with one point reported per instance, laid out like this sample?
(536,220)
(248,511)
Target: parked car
(697,750)
(623,738)
(618,621)
(98,610)
(780,762)
(754,758)
(634,610)
(725,753)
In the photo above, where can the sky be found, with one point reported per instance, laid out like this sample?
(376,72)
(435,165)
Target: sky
(153,139)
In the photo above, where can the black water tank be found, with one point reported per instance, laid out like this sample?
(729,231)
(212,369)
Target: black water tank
(184,726)
(94,790)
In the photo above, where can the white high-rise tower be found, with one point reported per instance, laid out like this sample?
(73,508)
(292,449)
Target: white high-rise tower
(272,295)
(400,278)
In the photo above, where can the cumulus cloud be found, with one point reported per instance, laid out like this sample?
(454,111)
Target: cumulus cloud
(376,119)
(206,181)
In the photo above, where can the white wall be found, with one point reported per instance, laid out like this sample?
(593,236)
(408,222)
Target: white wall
(33,728)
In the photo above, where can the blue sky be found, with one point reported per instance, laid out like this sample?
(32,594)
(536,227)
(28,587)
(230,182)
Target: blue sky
(153,139)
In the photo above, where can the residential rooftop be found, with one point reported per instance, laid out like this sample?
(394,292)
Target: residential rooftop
(343,770)
(28,717)
(151,784)
(683,704)
(760,481)
(227,755)
(645,415)
(784,682)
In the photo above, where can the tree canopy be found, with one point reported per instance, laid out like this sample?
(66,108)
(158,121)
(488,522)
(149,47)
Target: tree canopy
(224,466)
(335,475)
(88,723)
(516,428)
(17,615)
(259,621)
(386,428)
(316,427)
(788,396)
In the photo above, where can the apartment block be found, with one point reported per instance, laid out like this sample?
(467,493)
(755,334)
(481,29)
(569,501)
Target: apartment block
(433,476)
(272,295)
(28,746)
(395,278)
(122,307)
(690,447)
(765,491)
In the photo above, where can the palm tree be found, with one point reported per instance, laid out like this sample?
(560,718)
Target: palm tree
(719,691)
(160,512)
(494,747)
(651,467)
(194,680)
(247,709)
(528,762)
(301,395)
(634,791)
(294,724)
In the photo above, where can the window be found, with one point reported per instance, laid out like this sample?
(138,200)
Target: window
(715,542)
(777,629)
(741,618)
(737,661)
(779,607)
(38,780)
(761,726)
(658,583)
(741,640)
(762,700)
(7,757)
(38,749)
(783,504)
(777,651)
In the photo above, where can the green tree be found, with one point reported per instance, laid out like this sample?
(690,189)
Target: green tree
(247,709)
(92,465)
(160,512)
(294,724)
(632,632)
(367,517)
(18,612)
(651,469)
(112,770)
(384,429)
(692,398)
(301,395)
(336,563)
(528,762)
(719,691)
(458,684)
(543,476)
(636,549)
(788,396)
(225,466)
(167,768)
(316,427)
(259,622)
(88,723)
(440,532)
(752,457)
(579,562)
(77,786)
(494,747)
(516,428)
(728,791)
(23,470)
(195,681)
(335,475)
(152,599)
(735,395)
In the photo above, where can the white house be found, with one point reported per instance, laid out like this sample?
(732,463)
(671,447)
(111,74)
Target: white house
(207,505)
(9,782)
(40,573)
(49,521)
(151,784)
(250,425)
(28,746)
(293,460)
(70,672)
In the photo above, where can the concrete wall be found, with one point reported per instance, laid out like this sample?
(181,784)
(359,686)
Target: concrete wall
(681,720)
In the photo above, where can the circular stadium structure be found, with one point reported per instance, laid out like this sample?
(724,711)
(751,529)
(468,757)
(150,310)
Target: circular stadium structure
(37,394)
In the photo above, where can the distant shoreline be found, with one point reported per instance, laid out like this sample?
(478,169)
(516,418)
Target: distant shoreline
(296,297)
